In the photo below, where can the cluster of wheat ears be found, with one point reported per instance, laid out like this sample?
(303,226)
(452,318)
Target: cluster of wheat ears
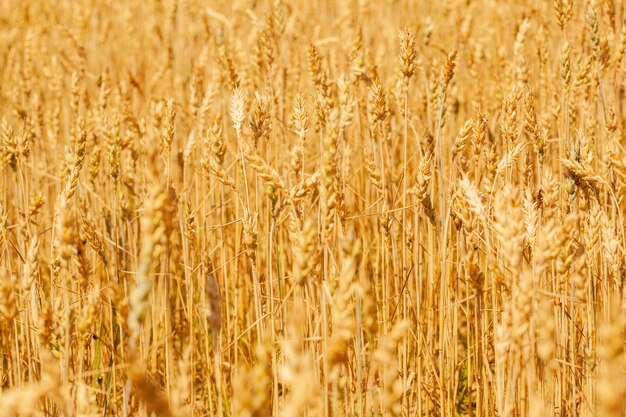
(312,208)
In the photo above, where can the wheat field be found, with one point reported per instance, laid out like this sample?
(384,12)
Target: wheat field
(312,208)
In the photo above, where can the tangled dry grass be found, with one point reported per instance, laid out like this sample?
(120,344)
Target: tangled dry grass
(312,208)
